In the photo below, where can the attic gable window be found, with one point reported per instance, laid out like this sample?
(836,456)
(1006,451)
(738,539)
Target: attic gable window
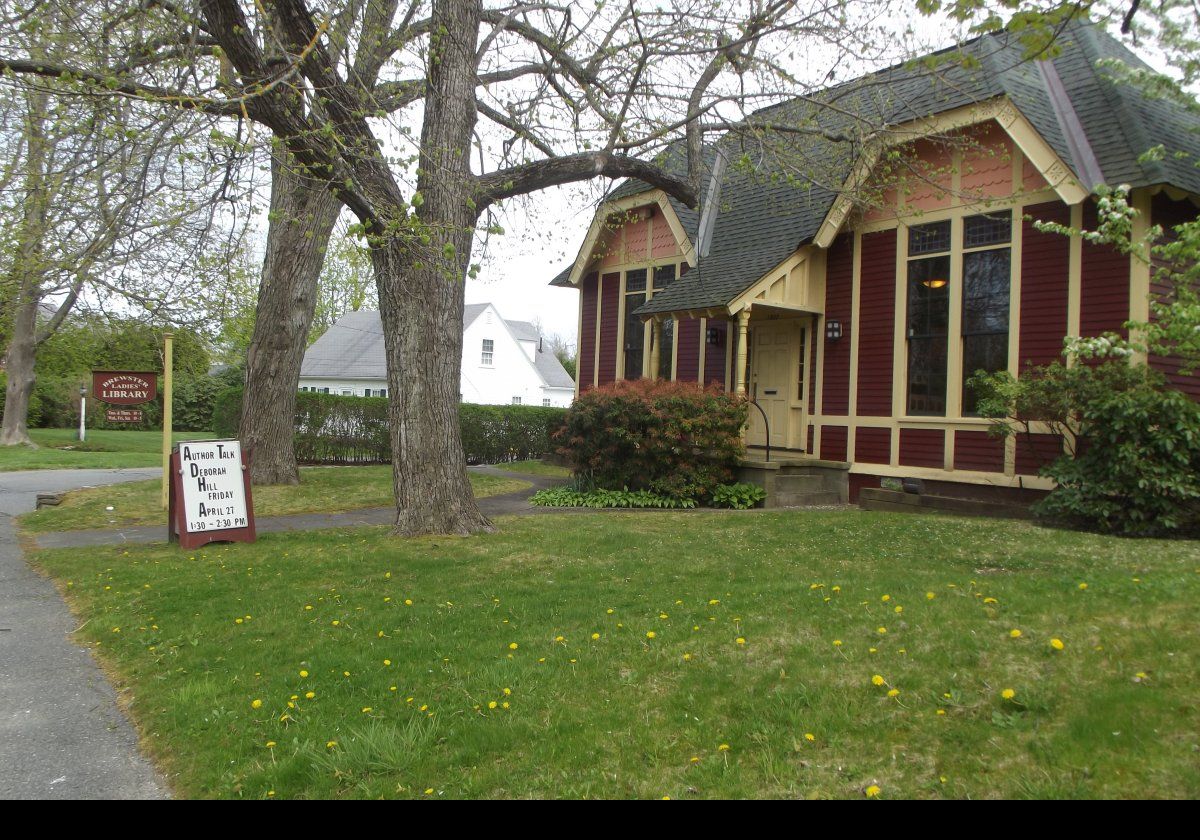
(489,348)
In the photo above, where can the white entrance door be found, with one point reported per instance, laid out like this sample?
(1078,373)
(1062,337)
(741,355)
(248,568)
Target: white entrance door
(772,365)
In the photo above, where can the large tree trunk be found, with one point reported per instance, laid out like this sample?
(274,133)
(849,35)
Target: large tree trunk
(27,273)
(420,282)
(19,361)
(303,213)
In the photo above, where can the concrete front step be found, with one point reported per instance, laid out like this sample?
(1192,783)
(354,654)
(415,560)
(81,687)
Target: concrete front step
(810,499)
(792,483)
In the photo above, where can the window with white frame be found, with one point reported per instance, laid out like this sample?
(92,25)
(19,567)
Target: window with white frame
(546,401)
(489,348)
(516,401)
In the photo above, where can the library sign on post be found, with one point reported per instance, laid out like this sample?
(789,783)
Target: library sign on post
(210,499)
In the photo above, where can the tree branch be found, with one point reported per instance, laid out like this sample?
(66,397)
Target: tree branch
(530,177)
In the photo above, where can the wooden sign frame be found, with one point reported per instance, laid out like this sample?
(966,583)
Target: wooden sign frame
(177,516)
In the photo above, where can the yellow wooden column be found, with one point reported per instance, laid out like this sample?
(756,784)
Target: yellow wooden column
(655,348)
(167,419)
(743,331)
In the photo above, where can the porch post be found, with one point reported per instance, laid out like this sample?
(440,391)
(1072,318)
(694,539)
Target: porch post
(743,324)
(655,348)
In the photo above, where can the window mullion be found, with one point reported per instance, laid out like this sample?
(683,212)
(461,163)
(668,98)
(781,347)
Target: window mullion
(954,349)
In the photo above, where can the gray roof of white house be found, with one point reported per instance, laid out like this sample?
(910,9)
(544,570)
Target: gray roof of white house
(353,349)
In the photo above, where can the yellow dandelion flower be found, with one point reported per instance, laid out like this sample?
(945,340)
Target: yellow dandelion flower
(663,616)
(651,634)
(335,622)
(1082,586)
(836,589)
(237,621)
(929,596)
(308,695)
(345,673)
(740,640)
(330,744)
(886,598)
(424,708)
(1014,633)
(872,650)
(837,642)
(559,639)
(723,748)
(898,609)
(941,712)
(595,636)
(687,657)
(308,606)
(808,736)
(882,631)
(990,601)
(609,612)
(513,646)
(1008,694)
(872,791)
(303,673)
(256,704)
(694,759)
(893,692)
(270,744)
(408,602)
(712,602)
(387,575)
(367,710)
(505,705)
(1057,644)
(387,662)
(877,680)
(428,791)
(492,704)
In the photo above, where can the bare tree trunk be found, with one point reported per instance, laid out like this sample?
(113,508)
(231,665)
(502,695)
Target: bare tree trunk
(19,361)
(420,282)
(303,213)
(26,277)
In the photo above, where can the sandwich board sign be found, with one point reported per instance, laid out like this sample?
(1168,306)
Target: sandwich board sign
(210,499)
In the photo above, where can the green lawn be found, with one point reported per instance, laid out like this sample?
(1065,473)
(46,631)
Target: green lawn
(322,489)
(536,468)
(101,450)
(405,646)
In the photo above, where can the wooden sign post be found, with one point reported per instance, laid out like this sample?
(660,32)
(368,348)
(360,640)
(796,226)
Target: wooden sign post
(210,499)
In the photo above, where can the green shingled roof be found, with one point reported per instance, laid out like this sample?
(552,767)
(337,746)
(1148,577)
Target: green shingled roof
(764,218)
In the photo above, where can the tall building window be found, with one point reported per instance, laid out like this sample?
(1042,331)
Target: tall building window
(928,317)
(635,330)
(664,276)
(516,401)
(489,348)
(987,272)
(546,402)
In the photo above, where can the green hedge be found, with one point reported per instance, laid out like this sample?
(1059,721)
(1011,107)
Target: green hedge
(332,429)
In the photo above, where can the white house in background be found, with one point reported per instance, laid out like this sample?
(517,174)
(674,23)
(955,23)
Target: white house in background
(503,362)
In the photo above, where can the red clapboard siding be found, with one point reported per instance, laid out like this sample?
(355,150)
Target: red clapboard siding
(1168,213)
(839,275)
(687,366)
(978,451)
(876,323)
(1104,284)
(1033,451)
(714,354)
(833,443)
(923,448)
(811,434)
(610,317)
(873,446)
(815,341)
(587,333)
(1045,261)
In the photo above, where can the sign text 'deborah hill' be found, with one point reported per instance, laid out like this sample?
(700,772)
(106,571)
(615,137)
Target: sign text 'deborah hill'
(214,497)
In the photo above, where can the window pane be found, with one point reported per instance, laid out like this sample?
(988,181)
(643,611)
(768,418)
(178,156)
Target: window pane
(982,352)
(928,296)
(635,281)
(986,279)
(668,347)
(988,229)
(927,376)
(664,275)
(929,239)
(635,336)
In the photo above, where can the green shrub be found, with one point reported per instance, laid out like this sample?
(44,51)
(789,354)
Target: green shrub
(741,496)
(568,497)
(332,429)
(673,438)
(1134,466)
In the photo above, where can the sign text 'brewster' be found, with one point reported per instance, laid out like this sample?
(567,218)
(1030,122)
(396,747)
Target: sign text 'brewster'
(124,387)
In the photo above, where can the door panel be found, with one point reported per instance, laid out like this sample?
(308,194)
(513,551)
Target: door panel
(773,372)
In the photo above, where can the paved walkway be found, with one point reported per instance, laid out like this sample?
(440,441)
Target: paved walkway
(62,735)
(503,505)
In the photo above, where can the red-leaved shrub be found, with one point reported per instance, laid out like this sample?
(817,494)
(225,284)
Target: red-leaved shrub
(673,438)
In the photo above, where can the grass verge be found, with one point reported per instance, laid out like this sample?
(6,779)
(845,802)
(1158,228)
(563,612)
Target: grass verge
(651,655)
(102,450)
(322,490)
(535,468)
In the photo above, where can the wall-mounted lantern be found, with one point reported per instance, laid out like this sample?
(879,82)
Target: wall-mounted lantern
(833,330)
